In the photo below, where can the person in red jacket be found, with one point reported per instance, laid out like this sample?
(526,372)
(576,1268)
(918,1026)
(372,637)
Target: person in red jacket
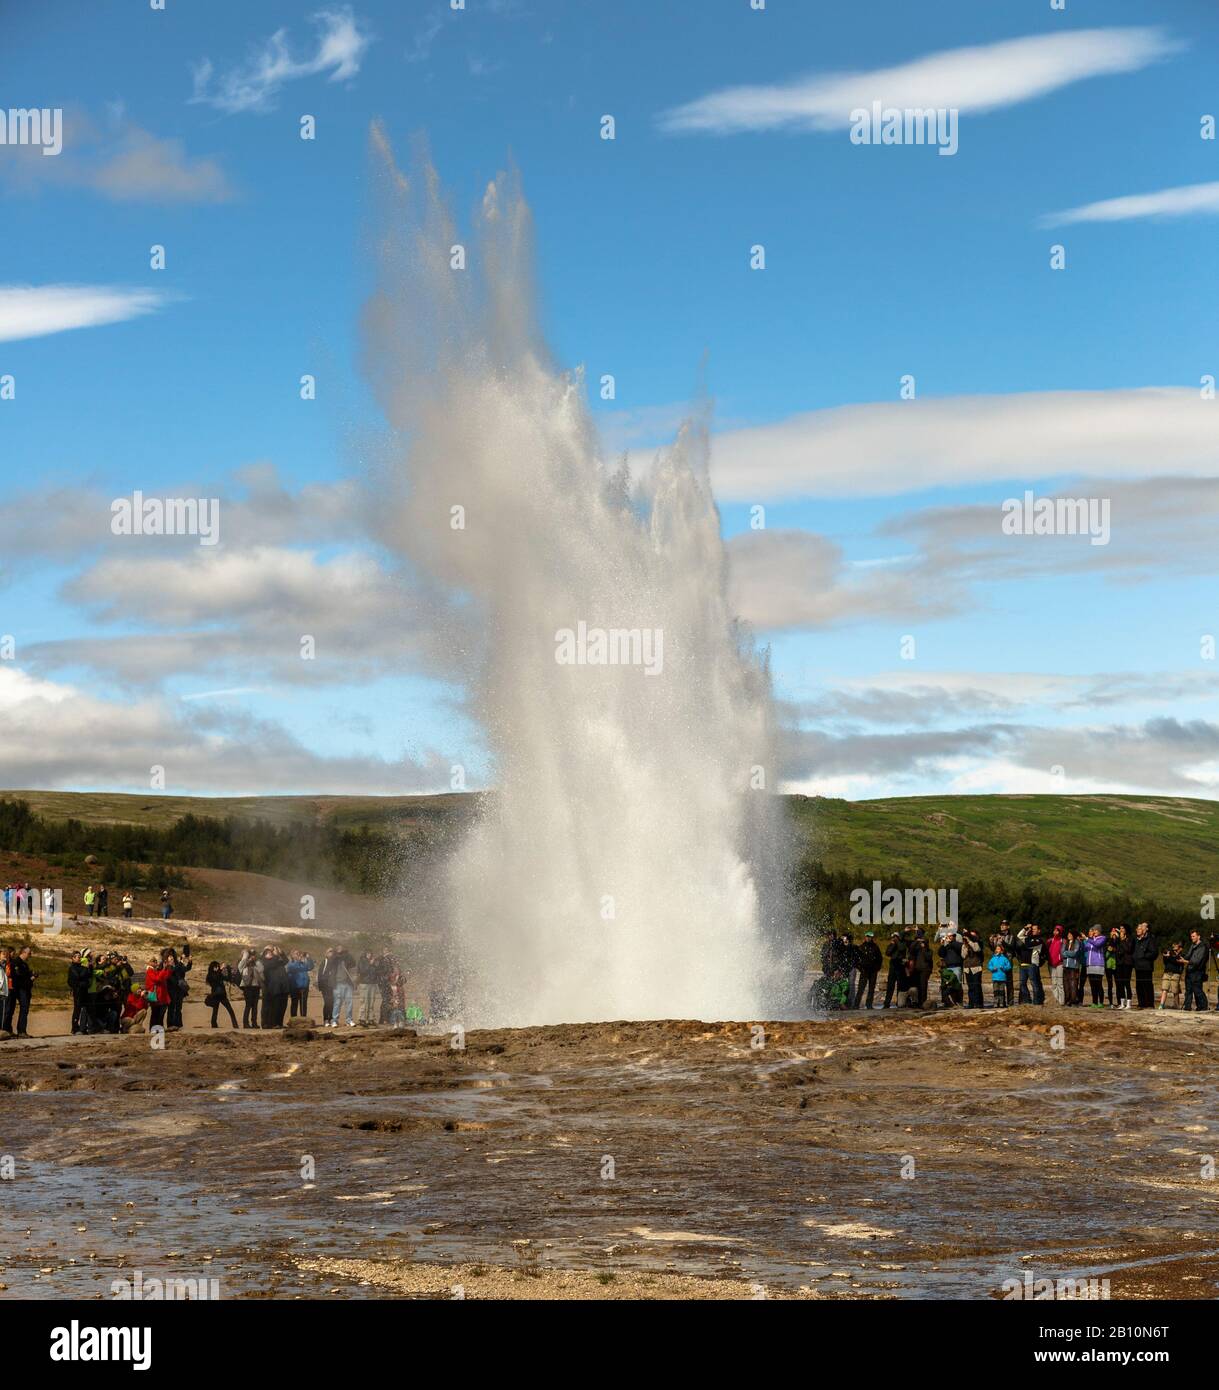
(156,985)
(1055,949)
(134,1011)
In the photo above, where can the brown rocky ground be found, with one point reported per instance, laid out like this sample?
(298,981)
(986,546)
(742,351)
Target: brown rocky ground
(897,1155)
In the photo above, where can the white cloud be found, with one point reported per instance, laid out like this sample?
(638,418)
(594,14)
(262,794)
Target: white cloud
(32,311)
(971,80)
(243,612)
(1164,756)
(797,579)
(1186,201)
(60,736)
(893,447)
(253,85)
(1159,526)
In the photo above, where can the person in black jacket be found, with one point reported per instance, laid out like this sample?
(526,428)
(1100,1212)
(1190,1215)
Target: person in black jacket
(1123,964)
(1195,971)
(325,983)
(217,992)
(23,990)
(923,962)
(1173,982)
(952,963)
(1143,954)
(1029,952)
(1006,938)
(276,988)
(179,966)
(867,965)
(895,954)
(78,986)
(972,961)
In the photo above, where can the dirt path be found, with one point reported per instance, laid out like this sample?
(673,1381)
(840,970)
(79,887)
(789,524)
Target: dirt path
(893,1156)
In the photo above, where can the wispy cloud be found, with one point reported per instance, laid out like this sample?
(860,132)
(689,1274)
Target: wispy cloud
(971,80)
(1189,200)
(33,311)
(1166,756)
(120,160)
(254,84)
(419,50)
(226,694)
(891,447)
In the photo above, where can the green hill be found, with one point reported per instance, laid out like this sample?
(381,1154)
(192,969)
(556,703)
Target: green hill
(1141,847)
(159,810)
(1164,849)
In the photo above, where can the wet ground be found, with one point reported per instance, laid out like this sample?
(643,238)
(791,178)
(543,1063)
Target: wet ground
(899,1155)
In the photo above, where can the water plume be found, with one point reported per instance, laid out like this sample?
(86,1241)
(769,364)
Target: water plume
(630,861)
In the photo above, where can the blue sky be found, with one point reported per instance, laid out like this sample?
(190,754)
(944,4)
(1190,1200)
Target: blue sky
(181,128)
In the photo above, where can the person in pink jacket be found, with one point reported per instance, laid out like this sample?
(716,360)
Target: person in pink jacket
(1055,954)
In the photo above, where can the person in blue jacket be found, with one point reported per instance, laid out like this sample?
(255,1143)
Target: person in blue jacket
(1000,967)
(299,968)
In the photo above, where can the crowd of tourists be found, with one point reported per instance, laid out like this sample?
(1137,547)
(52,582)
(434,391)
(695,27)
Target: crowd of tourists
(1100,968)
(25,903)
(110,994)
(97,902)
(22,902)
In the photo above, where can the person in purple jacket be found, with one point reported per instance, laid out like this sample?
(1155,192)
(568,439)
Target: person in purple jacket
(1094,965)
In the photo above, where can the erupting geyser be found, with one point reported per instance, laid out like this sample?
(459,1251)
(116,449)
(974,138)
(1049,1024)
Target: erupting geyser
(630,863)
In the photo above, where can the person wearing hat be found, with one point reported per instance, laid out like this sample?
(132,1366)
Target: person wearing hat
(868,959)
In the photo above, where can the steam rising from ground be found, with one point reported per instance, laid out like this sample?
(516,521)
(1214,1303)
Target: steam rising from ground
(629,864)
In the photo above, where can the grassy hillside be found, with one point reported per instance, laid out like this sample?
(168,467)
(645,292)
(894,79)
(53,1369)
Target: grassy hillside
(348,812)
(1160,848)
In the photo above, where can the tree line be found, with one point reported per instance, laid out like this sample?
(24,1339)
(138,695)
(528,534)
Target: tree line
(370,861)
(824,896)
(356,860)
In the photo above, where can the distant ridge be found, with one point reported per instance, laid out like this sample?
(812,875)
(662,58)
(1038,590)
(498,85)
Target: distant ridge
(1145,847)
